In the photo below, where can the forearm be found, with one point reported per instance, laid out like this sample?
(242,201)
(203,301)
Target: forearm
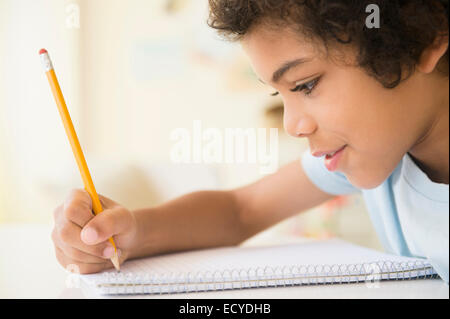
(197,220)
(215,218)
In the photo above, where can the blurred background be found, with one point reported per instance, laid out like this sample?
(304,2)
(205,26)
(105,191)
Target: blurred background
(132,72)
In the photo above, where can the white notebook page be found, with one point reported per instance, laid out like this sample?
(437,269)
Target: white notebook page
(234,261)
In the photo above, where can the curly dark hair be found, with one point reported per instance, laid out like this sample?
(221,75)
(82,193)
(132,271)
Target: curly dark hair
(389,53)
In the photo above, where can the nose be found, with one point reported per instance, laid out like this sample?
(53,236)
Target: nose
(298,125)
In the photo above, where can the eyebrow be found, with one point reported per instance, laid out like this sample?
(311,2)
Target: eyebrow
(278,74)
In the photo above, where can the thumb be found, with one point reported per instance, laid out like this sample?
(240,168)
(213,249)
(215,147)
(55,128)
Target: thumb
(108,223)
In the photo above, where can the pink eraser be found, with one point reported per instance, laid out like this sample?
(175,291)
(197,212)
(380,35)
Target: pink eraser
(42,51)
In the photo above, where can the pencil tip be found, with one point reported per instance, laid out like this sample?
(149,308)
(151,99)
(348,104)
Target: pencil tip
(115,261)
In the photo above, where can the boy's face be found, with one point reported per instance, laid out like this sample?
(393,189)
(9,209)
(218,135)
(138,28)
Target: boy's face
(339,107)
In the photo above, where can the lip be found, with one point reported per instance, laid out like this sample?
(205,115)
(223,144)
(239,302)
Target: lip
(323,153)
(332,162)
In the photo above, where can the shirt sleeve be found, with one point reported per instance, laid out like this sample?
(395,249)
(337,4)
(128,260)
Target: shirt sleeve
(334,183)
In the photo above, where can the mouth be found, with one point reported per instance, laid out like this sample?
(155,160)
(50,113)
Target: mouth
(327,153)
(331,157)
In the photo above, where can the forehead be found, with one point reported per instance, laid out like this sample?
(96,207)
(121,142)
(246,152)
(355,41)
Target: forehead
(269,48)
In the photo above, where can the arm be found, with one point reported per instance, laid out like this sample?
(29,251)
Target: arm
(218,218)
(197,220)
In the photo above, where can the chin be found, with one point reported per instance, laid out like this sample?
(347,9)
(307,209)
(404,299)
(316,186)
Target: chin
(366,180)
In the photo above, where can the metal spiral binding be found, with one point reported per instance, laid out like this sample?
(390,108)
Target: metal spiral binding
(285,276)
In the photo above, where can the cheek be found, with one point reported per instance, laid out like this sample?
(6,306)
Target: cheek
(373,150)
(376,146)
(357,111)
(366,171)
(379,125)
(370,127)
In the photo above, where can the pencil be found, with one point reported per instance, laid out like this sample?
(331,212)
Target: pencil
(74,143)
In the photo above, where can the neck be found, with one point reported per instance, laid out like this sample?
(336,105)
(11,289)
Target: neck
(431,151)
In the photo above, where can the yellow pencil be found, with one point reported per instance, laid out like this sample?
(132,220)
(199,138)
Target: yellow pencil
(74,143)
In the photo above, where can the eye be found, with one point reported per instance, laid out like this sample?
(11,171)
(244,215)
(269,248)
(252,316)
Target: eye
(308,87)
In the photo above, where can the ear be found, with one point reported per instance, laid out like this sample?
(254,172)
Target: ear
(432,54)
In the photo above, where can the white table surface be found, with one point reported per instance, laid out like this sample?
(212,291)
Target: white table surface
(28,269)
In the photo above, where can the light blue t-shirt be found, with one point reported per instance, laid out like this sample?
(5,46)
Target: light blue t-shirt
(410,213)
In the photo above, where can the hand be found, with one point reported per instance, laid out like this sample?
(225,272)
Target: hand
(81,238)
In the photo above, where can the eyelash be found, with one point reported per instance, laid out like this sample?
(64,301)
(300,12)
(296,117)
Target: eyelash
(308,86)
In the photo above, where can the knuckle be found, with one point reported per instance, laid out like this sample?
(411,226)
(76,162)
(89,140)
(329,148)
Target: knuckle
(65,233)
(75,211)
(75,195)
(76,192)
(70,212)
(83,196)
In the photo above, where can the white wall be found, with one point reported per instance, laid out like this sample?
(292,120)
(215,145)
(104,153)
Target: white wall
(140,75)
(33,146)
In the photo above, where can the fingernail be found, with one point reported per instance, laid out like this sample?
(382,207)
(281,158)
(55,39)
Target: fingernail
(108,252)
(89,235)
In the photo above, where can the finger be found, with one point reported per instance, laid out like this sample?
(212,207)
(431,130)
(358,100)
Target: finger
(69,234)
(80,267)
(108,223)
(78,255)
(78,207)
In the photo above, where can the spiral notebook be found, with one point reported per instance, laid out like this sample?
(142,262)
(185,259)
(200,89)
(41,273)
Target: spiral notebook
(318,262)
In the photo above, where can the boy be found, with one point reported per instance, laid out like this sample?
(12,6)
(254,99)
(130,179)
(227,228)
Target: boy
(373,104)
